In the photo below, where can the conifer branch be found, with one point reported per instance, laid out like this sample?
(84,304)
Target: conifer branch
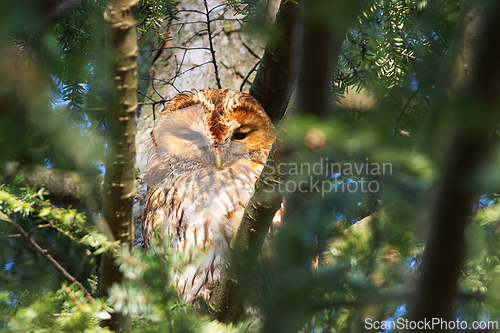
(44,253)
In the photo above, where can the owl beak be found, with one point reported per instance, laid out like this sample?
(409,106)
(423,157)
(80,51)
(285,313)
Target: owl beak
(217,158)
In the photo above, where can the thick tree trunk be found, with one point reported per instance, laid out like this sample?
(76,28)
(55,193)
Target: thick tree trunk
(273,84)
(119,188)
(474,92)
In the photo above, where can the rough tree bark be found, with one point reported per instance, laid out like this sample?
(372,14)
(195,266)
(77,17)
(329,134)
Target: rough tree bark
(119,188)
(273,84)
(478,93)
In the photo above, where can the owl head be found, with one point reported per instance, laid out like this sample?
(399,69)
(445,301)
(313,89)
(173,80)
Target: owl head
(207,143)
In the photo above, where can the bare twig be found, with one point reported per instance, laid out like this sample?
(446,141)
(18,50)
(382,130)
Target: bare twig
(245,45)
(212,51)
(161,101)
(193,67)
(12,236)
(143,94)
(177,48)
(38,227)
(245,80)
(216,7)
(178,60)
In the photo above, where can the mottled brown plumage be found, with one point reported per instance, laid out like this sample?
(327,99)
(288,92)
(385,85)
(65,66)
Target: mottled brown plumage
(207,150)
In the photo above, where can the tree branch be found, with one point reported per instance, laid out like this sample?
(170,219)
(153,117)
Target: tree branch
(245,80)
(44,253)
(247,243)
(65,187)
(212,51)
(274,80)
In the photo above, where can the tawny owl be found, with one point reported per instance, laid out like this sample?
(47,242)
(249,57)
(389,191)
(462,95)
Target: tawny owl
(207,150)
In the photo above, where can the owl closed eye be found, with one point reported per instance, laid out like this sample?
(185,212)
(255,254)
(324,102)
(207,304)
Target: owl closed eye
(207,150)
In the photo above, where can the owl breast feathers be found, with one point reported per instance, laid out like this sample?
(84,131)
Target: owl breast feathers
(207,150)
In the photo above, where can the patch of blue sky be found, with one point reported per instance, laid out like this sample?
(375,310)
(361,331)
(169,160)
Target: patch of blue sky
(8,265)
(335,175)
(400,311)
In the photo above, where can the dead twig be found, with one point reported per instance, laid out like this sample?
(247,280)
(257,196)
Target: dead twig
(212,51)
